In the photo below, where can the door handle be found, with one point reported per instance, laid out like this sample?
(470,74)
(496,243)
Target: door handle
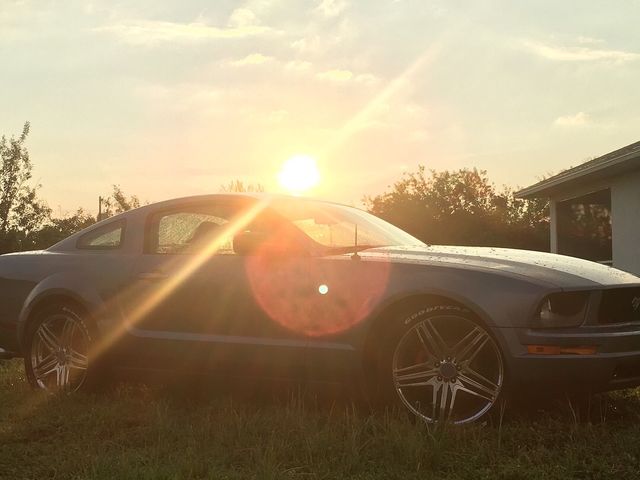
(152,276)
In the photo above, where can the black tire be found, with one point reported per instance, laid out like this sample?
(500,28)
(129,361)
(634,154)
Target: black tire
(418,368)
(58,350)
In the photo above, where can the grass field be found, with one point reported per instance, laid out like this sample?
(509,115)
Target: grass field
(158,432)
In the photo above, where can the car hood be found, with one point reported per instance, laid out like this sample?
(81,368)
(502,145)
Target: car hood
(559,270)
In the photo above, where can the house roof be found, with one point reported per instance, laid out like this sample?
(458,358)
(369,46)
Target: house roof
(612,164)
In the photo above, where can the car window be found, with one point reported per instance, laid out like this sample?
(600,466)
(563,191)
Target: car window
(187,232)
(333,225)
(103,238)
(192,228)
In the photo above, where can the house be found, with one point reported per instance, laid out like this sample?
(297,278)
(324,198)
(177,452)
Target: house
(595,209)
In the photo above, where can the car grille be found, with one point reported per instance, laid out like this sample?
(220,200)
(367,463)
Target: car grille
(620,305)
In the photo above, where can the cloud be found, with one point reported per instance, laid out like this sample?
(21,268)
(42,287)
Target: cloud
(305,45)
(343,76)
(277,116)
(336,75)
(184,97)
(589,40)
(298,66)
(366,78)
(317,45)
(577,120)
(578,54)
(252,59)
(303,69)
(331,8)
(146,32)
(242,17)
(306,69)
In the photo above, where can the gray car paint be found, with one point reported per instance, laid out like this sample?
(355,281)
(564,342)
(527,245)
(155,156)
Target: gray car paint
(502,287)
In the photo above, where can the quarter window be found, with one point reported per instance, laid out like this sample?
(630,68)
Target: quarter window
(106,237)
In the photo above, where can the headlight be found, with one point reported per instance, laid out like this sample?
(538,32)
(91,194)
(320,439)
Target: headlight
(561,310)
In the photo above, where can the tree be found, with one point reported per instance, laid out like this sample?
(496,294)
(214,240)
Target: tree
(117,203)
(25,221)
(52,230)
(238,186)
(21,212)
(462,207)
(56,229)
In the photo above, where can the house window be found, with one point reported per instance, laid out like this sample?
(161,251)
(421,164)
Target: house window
(584,226)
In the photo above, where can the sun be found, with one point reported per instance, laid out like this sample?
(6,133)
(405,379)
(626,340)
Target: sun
(299,174)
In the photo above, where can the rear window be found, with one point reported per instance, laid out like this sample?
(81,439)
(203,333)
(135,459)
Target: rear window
(107,237)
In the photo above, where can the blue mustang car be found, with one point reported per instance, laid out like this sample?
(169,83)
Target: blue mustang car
(271,286)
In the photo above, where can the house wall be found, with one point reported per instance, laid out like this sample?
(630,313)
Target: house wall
(625,207)
(625,218)
(553,224)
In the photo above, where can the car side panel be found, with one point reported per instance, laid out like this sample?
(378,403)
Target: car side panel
(90,279)
(13,293)
(497,301)
(71,285)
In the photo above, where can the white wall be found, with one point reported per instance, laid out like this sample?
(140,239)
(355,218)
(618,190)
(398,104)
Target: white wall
(553,224)
(625,209)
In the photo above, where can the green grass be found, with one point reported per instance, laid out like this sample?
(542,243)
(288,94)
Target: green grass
(154,432)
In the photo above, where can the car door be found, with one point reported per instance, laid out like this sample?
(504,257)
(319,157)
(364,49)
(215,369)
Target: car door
(191,302)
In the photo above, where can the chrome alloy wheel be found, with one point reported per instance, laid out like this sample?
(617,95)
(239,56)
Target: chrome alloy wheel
(59,353)
(447,368)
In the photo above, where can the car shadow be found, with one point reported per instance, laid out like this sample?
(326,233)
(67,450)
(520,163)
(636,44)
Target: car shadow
(188,390)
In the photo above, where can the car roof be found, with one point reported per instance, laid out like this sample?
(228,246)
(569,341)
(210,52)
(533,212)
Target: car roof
(69,243)
(213,196)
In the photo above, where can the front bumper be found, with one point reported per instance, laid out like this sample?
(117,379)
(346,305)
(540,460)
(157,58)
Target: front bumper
(614,365)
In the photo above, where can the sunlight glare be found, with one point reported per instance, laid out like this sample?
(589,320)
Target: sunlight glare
(138,310)
(299,174)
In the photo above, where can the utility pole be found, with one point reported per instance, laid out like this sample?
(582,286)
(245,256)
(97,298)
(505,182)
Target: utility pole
(99,208)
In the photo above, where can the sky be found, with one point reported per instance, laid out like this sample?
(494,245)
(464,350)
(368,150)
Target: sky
(169,98)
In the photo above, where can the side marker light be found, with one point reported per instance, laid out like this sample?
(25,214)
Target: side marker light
(558,350)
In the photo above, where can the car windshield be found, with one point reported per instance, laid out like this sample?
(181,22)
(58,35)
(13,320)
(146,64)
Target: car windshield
(334,226)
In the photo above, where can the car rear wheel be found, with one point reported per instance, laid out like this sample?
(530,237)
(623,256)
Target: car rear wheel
(443,366)
(57,355)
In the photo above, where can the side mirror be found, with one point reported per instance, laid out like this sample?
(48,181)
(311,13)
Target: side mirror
(248,243)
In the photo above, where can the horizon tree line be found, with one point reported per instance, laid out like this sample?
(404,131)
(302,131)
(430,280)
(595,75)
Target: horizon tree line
(461,207)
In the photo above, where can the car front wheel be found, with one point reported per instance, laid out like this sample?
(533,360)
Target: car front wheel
(443,366)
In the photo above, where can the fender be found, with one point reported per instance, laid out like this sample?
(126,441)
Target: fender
(67,284)
(475,291)
(399,297)
(477,311)
(464,302)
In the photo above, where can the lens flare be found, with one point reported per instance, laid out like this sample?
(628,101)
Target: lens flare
(289,291)
(141,298)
